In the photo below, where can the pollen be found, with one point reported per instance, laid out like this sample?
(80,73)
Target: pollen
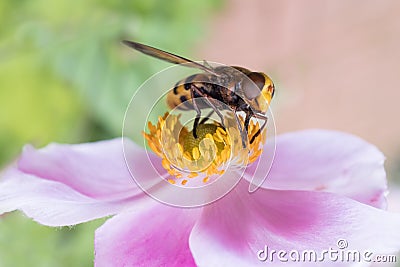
(205,158)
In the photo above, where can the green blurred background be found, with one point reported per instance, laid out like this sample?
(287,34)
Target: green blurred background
(65,77)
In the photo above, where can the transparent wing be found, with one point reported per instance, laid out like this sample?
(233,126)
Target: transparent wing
(166,56)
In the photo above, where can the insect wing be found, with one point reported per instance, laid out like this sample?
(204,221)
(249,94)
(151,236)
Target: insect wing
(166,56)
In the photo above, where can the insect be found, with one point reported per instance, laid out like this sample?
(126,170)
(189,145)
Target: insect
(217,88)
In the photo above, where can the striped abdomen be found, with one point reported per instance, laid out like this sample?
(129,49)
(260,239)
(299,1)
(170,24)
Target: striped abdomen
(180,96)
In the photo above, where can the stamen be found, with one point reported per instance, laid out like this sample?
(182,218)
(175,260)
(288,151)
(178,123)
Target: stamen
(207,156)
(196,153)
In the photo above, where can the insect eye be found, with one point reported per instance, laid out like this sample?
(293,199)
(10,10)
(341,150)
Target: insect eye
(248,87)
(258,79)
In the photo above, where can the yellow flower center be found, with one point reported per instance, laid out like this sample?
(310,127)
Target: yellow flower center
(207,156)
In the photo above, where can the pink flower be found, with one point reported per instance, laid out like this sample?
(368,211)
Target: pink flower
(323,186)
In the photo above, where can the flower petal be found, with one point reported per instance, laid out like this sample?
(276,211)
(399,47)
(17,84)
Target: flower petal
(96,169)
(52,203)
(158,236)
(329,161)
(69,184)
(233,230)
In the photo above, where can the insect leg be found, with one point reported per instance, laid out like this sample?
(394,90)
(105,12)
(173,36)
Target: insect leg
(262,127)
(207,117)
(210,103)
(260,116)
(196,108)
(242,133)
(246,122)
(214,107)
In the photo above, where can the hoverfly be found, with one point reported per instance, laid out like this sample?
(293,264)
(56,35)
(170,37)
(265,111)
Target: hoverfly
(217,88)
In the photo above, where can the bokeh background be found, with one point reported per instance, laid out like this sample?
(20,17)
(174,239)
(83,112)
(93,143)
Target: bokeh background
(65,77)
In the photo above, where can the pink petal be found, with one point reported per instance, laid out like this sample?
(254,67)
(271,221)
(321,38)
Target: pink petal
(321,160)
(158,236)
(69,184)
(52,203)
(232,231)
(96,169)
